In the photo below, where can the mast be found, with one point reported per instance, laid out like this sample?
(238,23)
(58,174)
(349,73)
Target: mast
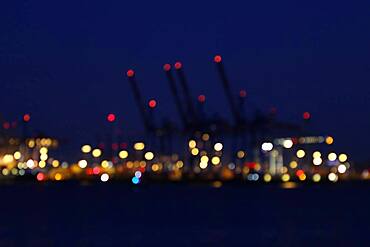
(139,100)
(172,84)
(227,90)
(185,89)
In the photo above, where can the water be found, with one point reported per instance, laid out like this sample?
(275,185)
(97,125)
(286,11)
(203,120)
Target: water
(70,214)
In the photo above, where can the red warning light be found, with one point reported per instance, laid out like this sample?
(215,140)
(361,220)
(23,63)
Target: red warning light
(26,117)
(96,170)
(306,115)
(178,65)
(111,117)
(166,67)
(202,98)
(130,73)
(40,176)
(89,171)
(251,165)
(217,59)
(299,173)
(243,93)
(152,103)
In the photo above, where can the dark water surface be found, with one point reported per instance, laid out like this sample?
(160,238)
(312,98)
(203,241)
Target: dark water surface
(70,214)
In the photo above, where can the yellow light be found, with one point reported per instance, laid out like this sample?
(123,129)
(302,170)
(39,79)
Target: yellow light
(96,153)
(58,176)
(55,163)
(123,154)
(302,177)
(215,160)
(130,164)
(45,142)
(86,149)
(342,168)
(203,165)
(205,137)
(284,169)
(316,177)
(218,146)
(105,164)
(43,150)
(204,159)
(285,177)
(329,140)
(14,171)
(332,156)
(43,156)
(267,177)
(139,146)
(192,144)
(301,153)
(8,158)
(5,172)
(142,164)
(195,151)
(317,161)
(155,167)
(240,154)
(31,143)
(316,154)
(82,164)
(333,177)
(179,164)
(42,164)
(343,158)
(149,156)
(293,164)
(288,143)
(245,170)
(289,185)
(17,155)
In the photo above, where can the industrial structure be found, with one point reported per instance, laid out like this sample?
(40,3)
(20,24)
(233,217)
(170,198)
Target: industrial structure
(246,149)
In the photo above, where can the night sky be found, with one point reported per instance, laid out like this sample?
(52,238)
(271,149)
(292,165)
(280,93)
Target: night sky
(64,61)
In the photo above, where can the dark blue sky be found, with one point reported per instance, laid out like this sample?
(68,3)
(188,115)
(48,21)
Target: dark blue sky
(64,61)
